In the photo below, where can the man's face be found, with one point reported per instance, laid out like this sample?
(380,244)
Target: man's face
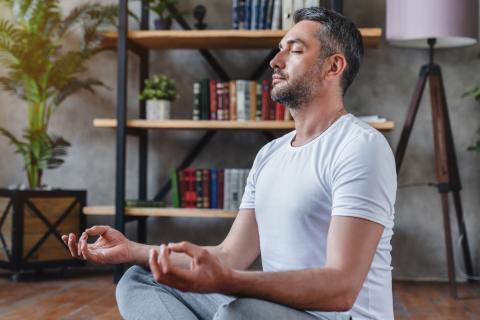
(297,68)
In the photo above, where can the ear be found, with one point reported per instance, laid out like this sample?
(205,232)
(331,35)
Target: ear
(335,66)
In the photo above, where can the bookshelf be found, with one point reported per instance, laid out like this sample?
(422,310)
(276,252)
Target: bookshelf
(140,43)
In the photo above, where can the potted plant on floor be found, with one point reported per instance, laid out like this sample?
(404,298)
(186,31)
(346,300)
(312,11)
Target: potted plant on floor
(159,92)
(43,73)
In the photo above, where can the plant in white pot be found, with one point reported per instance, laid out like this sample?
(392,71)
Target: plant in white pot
(159,92)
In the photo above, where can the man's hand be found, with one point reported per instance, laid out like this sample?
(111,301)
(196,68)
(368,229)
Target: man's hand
(111,246)
(205,274)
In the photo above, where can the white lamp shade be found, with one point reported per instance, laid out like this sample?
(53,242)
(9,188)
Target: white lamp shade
(453,23)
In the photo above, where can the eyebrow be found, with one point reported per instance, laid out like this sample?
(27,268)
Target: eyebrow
(293,41)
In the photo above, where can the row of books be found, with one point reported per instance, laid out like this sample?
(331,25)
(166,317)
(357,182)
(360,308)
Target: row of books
(208,188)
(266,14)
(237,100)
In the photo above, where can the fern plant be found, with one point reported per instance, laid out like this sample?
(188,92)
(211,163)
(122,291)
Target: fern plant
(40,71)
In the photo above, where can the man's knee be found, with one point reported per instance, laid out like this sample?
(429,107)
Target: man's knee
(239,309)
(128,284)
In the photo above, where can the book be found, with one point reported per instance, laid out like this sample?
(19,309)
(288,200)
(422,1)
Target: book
(190,194)
(133,203)
(175,188)
(220,188)
(212,85)
(265,100)
(287,14)
(240,87)
(226,100)
(235,15)
(204,99)
(206,188)
(220,103)
(277,15)
(258,109)
(374,118)
(255,12)
(214,189)
(233,100)
(246,109)
(196,101)
(253,100)
(248,14)
(269,14)
(279,111)
(199,188)
(226,189)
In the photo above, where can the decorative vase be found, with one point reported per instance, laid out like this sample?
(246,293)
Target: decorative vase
(158,109)
(162,23)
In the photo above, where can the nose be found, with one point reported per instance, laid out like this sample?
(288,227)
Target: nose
(278,61)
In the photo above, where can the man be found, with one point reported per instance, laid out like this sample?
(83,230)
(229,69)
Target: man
(318,206)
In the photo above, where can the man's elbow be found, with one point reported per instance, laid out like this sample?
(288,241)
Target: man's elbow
(345,300)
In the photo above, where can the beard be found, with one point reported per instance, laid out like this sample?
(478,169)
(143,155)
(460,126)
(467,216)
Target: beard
(297,92)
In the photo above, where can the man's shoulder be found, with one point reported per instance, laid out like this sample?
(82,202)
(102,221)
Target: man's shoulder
(355,133)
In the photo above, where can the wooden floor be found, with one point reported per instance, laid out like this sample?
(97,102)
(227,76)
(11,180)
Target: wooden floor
(87,296)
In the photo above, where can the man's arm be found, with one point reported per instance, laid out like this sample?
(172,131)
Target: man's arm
(238,251)
(351,245)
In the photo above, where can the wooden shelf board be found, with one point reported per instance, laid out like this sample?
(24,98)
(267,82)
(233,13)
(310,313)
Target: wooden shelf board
(219,39)
(215,124)
(162,212)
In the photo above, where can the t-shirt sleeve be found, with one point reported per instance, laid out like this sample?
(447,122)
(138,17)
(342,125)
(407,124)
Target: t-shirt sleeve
(248,199)
(364,180)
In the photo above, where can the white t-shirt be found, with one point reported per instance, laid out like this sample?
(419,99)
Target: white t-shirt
(349,170)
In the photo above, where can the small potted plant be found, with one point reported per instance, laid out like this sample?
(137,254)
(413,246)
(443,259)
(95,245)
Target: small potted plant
(160,7)
(159,92)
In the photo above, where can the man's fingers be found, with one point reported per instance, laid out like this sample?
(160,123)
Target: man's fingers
(97,230)
(190,249)
(164,258)
(81,244)
(72,244)
(154,265)
(171,278)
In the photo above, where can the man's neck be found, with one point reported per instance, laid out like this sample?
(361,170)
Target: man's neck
(312,119)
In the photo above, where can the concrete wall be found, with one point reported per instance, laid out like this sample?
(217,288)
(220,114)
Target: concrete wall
(384,86)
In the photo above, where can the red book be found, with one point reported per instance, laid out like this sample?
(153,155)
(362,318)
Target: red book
(220,182)
(206,188)
(220,102)
(190,192)
(265,100)
(213,99)
(279,111)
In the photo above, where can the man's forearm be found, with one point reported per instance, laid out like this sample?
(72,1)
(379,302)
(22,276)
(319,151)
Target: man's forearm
(312,289)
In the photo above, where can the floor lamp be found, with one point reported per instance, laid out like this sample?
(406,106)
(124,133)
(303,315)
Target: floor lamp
(431,24)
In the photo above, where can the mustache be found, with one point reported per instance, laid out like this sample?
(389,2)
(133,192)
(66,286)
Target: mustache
(279,73)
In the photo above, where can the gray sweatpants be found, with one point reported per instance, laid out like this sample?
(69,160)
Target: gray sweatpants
(139,296)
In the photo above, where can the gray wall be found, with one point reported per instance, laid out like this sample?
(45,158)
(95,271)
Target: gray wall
(384,86)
